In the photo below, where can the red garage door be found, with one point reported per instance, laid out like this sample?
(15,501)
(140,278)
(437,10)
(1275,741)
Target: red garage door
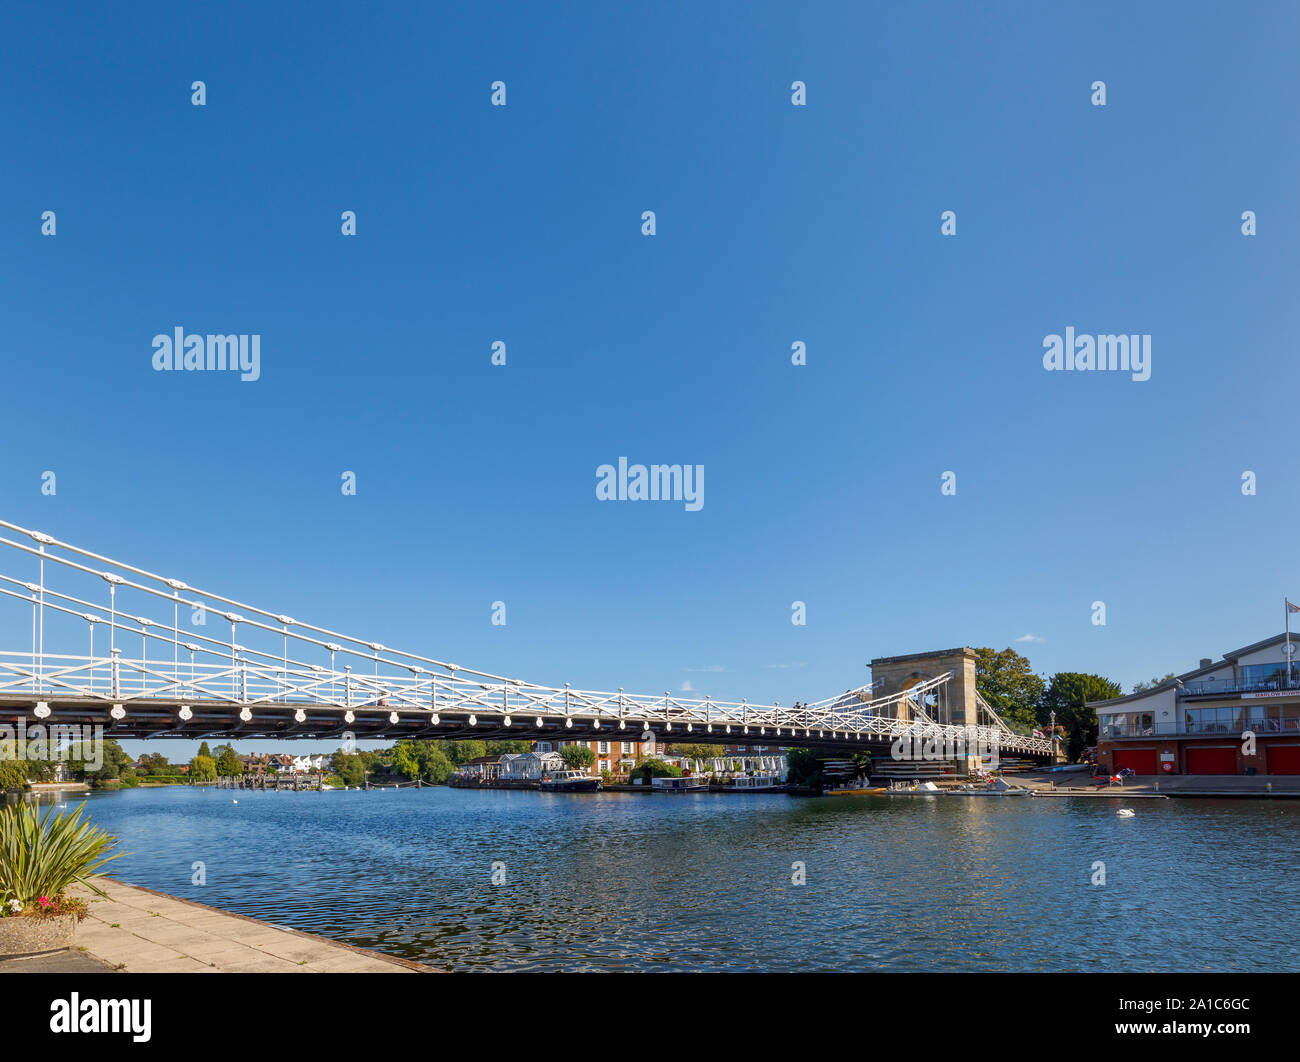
(1211,761)
(1140,761)
(1283,759)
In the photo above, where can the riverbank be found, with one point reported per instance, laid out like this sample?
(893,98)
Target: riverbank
(138,930)
(1256,787)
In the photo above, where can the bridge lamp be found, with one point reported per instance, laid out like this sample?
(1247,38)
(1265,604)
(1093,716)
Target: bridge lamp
(434,719)
(117,712)
(668,726)
(185,713)
(392,718)
(568,724)
(42,710)
(473,720)
(349,718)
(690,727)
(595,724)
(746,730)
(300,716)
(622,725)
(728,728)
(245,715)
(709,729)
(762,730)
(505,721)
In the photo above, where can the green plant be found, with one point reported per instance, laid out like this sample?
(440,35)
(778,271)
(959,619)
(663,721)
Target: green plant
(42,855)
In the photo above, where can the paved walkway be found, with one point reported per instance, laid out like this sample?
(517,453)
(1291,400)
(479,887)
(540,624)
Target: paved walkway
(137,930)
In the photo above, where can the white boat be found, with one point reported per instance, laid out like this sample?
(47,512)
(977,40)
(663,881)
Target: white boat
(568,782)
(691,783)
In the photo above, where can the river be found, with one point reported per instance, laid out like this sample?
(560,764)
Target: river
(613,881)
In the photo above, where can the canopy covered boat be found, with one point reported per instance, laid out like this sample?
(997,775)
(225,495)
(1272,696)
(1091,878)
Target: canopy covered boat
(568,782)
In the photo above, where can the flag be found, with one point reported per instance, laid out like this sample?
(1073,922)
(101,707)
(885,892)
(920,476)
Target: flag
(1290,607)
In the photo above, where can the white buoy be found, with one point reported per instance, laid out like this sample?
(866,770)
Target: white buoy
(234,801)
(1125,813)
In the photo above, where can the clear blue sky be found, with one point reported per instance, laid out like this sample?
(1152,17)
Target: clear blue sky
(775,223)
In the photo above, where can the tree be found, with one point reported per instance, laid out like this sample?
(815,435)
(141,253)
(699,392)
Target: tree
(1067,695)
(577,757)
(1138,687)
(205,751)
(1006,680)
(228,765)
(203,768)
(695,752)
(113,763)
(803,767)
(460,752)
(153,763)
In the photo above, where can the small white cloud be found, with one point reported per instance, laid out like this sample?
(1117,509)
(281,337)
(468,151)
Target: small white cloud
(786,667)
(710,667)
(1029,638)
(687,687)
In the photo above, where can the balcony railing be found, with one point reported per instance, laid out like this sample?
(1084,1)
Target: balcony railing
(1199,728)
(1209,689)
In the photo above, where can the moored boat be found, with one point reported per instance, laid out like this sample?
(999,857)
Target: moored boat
(688,783)
(568,782)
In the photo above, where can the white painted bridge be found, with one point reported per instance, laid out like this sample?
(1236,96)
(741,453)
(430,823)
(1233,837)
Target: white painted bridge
(156,663)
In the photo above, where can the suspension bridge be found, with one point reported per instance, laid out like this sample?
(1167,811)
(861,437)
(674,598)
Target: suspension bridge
(148,674)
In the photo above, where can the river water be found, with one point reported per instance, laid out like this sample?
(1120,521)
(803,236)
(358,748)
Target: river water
(612,881)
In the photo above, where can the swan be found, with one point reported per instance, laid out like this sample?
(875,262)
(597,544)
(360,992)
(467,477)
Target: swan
(1125,813)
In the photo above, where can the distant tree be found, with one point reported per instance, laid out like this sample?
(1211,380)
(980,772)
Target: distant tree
(1007,681)
(459,752)
(349,766)
(502,748)
(1138,687)
(203,768)
(694,752)
(577,757)
(113,762)
(205,751)
(228,765)
(153,763)
(1067,694)
(406,760)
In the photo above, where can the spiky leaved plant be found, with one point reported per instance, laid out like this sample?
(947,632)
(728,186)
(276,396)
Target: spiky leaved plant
(42,855)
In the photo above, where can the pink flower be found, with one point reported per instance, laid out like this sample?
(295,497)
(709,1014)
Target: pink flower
(44,901)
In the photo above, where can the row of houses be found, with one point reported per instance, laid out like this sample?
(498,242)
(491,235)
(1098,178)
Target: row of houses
(615,757)
(282,763)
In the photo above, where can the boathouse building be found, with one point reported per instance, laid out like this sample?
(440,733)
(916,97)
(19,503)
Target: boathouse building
(1238,715)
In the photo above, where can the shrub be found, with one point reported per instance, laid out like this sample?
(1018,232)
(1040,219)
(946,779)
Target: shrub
(43,855)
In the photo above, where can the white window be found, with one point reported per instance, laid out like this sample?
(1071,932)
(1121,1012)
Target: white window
(603,747)
(627,747)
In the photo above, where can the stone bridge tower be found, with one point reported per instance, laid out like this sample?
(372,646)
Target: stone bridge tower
(893,674)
